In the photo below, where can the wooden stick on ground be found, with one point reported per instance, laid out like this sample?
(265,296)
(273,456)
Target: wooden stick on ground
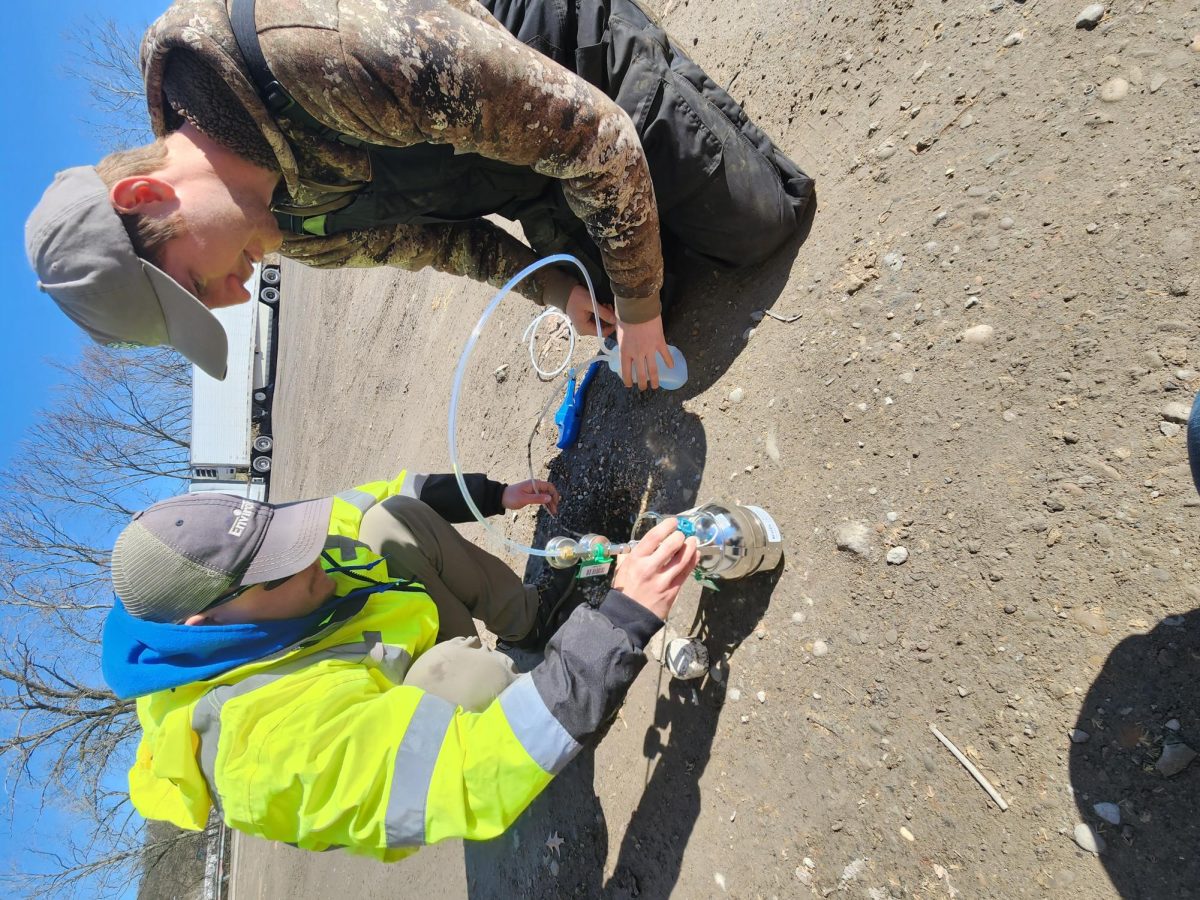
(983,782)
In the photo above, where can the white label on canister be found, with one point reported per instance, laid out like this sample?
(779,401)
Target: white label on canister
(591,571)
(767,523)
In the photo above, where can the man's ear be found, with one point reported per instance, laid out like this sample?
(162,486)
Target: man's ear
(135,193)
(198,619)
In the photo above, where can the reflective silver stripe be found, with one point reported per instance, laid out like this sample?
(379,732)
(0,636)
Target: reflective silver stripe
(415,760)
(413,485)
(206,722)
(360,500)
(542,735)
(392,661)
(347,547)
(206,715)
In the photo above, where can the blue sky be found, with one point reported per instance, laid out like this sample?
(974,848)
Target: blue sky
(43,109)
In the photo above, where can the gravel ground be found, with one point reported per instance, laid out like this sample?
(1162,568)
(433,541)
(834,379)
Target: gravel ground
(996,326)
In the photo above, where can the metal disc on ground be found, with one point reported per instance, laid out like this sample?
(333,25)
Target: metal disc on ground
(687,658)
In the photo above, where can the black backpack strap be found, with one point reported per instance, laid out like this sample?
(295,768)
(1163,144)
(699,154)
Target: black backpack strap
(241,17)
(274,95)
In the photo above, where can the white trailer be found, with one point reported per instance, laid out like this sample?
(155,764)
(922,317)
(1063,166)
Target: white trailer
(231,419)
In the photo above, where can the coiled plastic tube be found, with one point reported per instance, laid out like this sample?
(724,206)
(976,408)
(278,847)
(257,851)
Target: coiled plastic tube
(461,371)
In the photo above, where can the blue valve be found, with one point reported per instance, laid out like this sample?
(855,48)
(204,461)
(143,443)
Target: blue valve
(569,417)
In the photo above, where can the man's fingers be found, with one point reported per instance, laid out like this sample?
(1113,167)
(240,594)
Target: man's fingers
(640,366)
(655,536)
(652,368)
(689,556)
(627,370)
(683,563)
(665,551)
(681,550)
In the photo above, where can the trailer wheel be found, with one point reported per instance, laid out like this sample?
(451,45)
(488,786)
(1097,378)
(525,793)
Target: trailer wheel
(263,443)
(262,396)
(269,296)
(270,275)
(261,464)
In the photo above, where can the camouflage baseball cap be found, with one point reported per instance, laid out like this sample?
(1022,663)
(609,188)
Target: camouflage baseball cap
(180,556)
(84,259)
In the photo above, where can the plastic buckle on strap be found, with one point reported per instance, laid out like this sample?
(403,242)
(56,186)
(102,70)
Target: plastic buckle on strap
(278,99)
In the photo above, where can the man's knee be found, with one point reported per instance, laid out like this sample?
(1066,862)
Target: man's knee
(734,225)
(398,527)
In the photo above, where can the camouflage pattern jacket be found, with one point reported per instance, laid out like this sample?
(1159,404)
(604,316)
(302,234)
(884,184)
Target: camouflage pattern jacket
(395,73)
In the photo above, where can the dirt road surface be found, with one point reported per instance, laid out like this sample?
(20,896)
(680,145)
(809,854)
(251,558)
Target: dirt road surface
(996,330)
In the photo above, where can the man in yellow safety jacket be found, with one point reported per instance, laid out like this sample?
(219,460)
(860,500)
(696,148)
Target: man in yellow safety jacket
(294,669)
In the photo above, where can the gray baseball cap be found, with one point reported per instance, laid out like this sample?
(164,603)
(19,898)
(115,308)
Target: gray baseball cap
(180,556)
(84,259)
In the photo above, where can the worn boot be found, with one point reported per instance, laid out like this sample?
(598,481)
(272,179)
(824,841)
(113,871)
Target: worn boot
(557,599)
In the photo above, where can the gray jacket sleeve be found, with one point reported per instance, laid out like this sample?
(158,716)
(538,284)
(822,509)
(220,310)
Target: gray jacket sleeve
(591,662)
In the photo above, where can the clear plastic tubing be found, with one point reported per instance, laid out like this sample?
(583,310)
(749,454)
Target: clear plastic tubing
(462,368)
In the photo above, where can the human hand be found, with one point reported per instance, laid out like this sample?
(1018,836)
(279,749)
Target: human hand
(640,345)
(652,573)
(579,310)
(527,493)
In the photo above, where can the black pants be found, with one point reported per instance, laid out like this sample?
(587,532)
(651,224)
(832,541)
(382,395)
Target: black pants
(723,189)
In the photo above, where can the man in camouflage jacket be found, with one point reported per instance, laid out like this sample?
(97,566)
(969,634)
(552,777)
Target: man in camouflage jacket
(404,122)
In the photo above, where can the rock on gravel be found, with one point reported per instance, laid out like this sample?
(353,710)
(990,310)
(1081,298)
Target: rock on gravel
(1114,89)
(1174,759)
(1087,838)
(978,334)
(1176,412)
(1093,622)
(897,556)
(1078,737)
(1109,812)
(1089,17)
(854,537)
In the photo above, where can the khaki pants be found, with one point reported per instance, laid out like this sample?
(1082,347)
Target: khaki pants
(462,671)
(465,583)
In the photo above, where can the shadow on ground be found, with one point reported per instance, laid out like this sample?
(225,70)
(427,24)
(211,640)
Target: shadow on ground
(652,848)
(641,451)
(654,841)
(716,306)
(1141,714)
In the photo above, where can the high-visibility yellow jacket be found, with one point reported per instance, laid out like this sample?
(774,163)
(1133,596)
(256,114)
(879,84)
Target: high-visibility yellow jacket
(321,745)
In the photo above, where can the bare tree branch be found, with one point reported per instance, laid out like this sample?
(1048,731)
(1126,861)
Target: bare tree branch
(106,59)
(114,439)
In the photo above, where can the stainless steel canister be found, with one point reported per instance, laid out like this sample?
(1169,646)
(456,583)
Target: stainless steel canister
(735,540)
